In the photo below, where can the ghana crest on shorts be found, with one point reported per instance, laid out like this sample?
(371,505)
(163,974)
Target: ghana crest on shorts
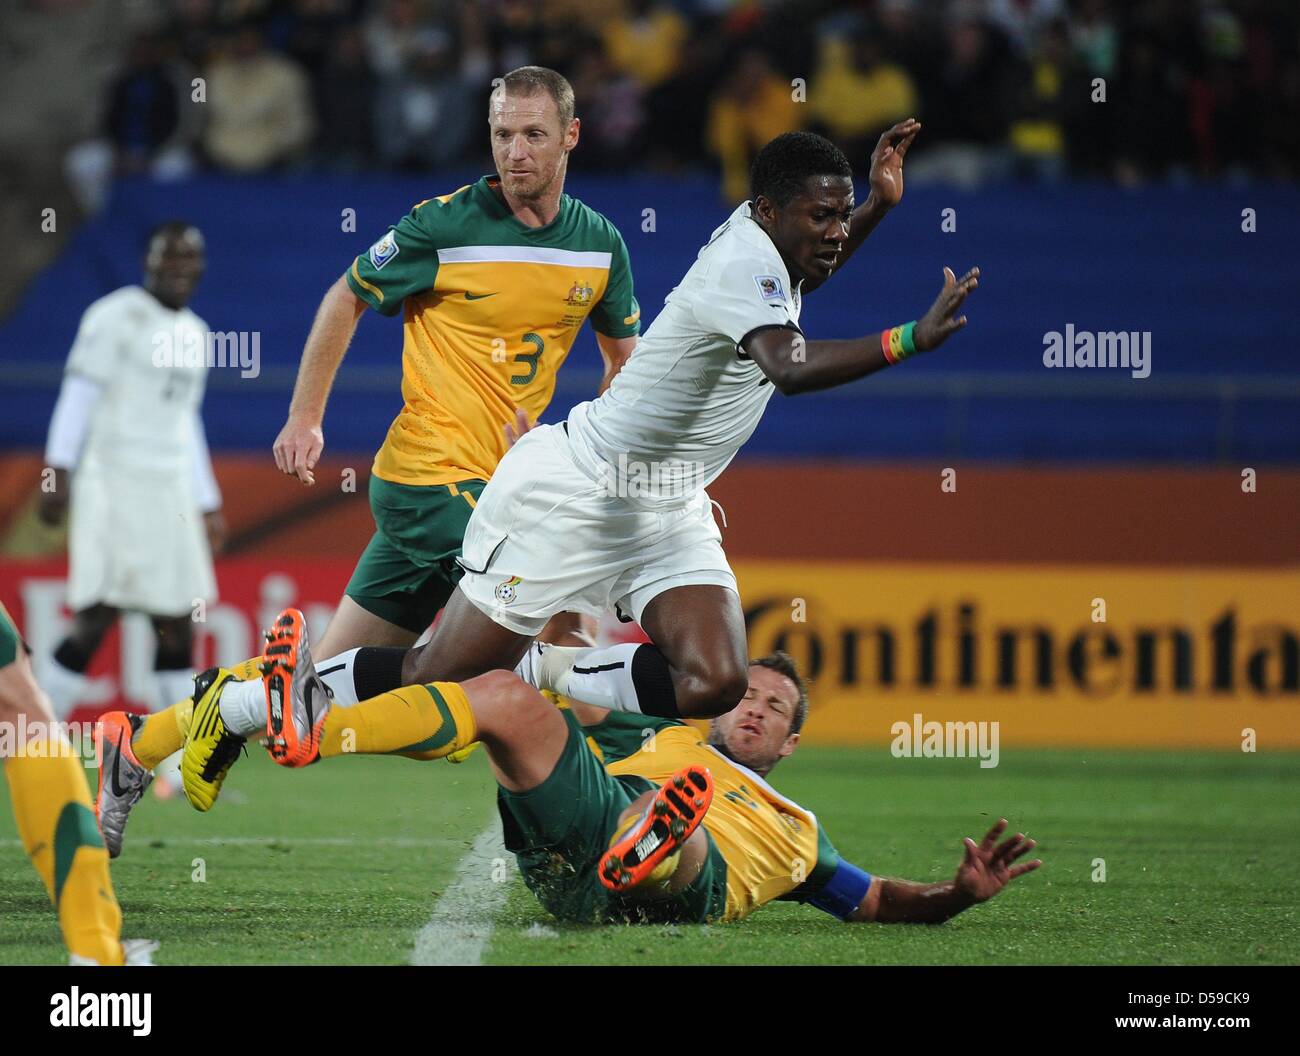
(491,309)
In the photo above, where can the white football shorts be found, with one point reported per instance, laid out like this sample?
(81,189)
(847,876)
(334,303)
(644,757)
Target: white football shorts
(546,538)
(137,542)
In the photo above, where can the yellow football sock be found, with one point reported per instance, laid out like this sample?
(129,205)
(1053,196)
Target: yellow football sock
(423,722)
(247,669)
(57,825)
(164,732)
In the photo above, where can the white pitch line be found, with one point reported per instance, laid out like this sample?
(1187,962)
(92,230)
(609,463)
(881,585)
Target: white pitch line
(460,927)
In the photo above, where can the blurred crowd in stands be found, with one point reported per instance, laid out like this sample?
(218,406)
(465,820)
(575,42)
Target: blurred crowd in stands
(1137,91)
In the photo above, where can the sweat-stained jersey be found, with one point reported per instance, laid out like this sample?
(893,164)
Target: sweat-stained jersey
(492,308)
(773,847)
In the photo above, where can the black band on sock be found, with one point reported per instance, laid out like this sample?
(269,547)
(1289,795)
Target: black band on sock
(171,655)
(377,669)
(72,656)
(652,679)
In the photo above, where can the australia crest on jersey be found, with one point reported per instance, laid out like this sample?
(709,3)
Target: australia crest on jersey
(383,251)
(770,287)
(505,592)
(580,294)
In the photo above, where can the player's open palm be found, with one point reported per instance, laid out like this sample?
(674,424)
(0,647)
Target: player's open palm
(886,176)
(943,320)
(989,866)
(297,449)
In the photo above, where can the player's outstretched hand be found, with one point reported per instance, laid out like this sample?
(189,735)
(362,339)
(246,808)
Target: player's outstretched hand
(987,867)
(298,448)
(942,320)
(886,177)
(515,431)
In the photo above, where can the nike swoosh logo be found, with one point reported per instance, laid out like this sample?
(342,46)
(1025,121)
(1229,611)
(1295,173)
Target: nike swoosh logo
(308,694)
(114,779)
(477,296)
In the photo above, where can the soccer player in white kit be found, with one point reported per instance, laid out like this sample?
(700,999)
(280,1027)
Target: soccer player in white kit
(609,508)
(131,468)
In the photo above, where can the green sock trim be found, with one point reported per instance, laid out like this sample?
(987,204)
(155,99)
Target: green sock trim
(446,732)
(75,828)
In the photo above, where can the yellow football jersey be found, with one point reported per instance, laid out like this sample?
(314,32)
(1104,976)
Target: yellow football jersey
(772,846)
(491,309)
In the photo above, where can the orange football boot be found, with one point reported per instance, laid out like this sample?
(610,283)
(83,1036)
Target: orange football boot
(297,701)
(663,828)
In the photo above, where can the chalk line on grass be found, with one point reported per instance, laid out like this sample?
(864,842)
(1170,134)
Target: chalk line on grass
(461,925)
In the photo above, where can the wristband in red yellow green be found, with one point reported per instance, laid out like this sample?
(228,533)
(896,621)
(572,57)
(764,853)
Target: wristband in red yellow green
(897,343)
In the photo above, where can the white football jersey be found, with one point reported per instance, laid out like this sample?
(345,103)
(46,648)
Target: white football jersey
(688,398)
(152,364)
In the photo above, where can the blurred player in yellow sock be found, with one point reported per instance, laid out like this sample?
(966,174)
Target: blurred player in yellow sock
(134,745)
(55,819)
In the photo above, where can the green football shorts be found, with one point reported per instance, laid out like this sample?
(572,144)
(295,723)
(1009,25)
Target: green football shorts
(408,569)
(559,831)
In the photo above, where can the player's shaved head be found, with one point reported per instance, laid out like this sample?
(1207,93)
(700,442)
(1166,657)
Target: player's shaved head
(532,131)
(534,80)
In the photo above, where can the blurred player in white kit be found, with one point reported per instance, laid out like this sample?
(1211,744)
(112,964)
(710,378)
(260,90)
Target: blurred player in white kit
(131,469)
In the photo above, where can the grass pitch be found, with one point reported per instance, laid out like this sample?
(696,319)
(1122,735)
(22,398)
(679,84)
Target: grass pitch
(345,862)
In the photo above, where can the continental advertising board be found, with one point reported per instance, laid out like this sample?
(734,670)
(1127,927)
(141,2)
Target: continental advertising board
(1068,655)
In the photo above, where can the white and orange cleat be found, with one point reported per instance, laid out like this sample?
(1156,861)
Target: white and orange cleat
(297,701)
(122,777)
(644,847)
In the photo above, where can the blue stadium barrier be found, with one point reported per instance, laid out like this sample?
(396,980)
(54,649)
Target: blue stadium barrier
(1220,304)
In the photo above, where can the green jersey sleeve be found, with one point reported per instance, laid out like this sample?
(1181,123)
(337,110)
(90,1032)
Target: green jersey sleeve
(403,262)
(828,860)
(624,733)
(617,314)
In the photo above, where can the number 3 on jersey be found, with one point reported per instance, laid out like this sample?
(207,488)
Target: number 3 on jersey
(527,359)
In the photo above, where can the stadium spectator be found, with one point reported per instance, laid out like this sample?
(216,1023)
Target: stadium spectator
(428,81)
(345,92)
(1149,114)
(754,106)
(967,102)
(258,104)
(612,113)
(1049,84)
(143,129)
(645,41)
(857,93)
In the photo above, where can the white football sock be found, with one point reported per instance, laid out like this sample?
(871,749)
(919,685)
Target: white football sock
(336,673)
(243,707)
(65,688)
(601,676)
(169,770)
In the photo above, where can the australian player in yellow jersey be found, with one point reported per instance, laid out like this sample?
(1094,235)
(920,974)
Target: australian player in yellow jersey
(618,816)
(494,282)
(56,821)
